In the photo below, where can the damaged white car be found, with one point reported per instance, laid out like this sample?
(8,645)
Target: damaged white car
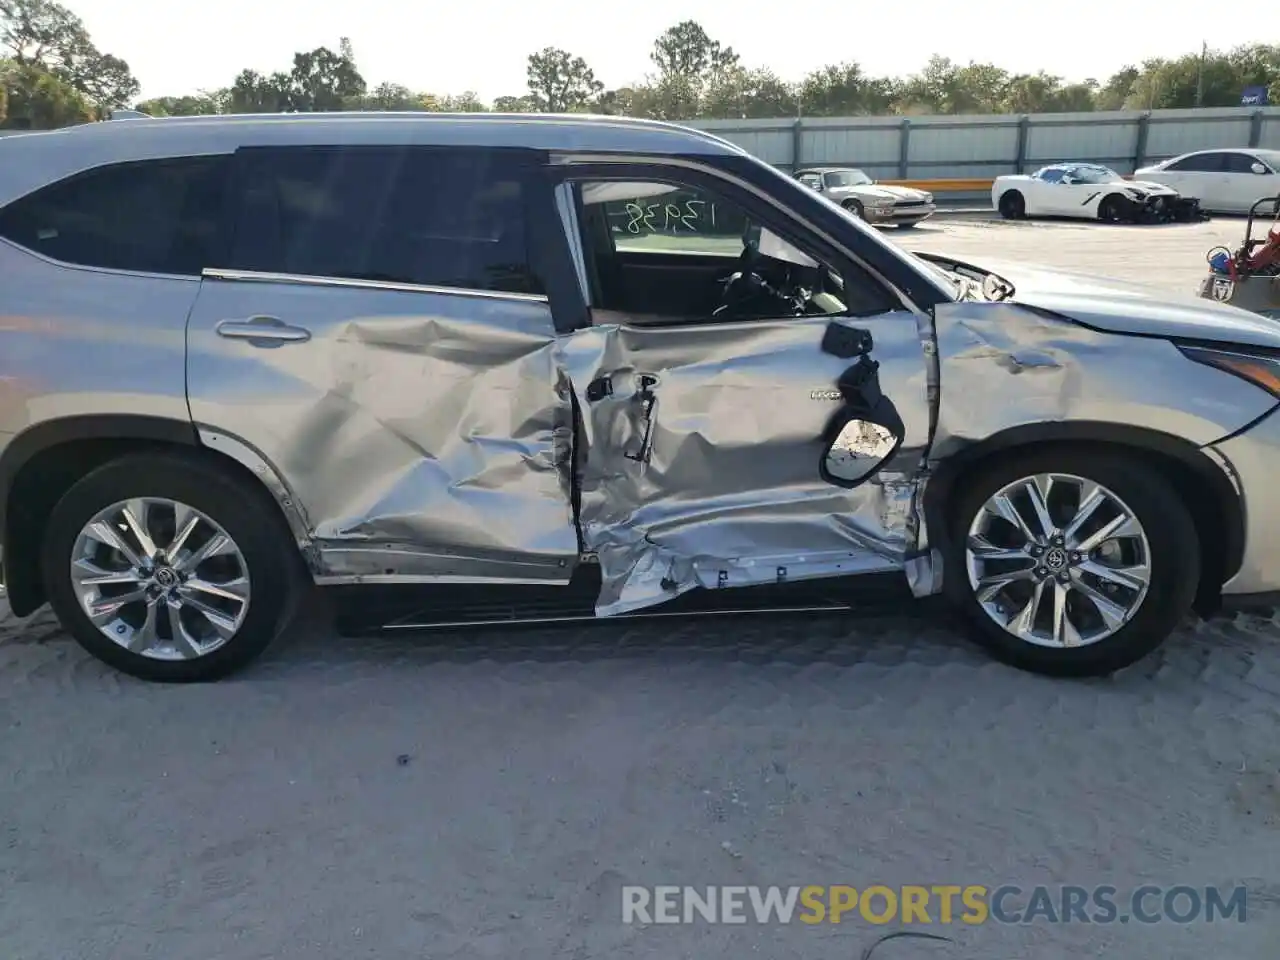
(485,369)
(1090,191)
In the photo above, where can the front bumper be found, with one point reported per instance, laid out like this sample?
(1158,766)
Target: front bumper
(1254,458)
(1163,209)
(909,212)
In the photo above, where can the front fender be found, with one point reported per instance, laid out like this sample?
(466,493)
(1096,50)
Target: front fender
(1005,365)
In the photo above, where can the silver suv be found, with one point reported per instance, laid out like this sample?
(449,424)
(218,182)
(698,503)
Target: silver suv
(545,367)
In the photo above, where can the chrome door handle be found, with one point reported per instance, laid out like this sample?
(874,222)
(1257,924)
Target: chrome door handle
(262,331)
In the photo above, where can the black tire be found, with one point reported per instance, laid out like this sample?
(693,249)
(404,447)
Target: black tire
(1174,560)
(1012,205)
(855,207)
(1111,209)
(244,512)
(909,226)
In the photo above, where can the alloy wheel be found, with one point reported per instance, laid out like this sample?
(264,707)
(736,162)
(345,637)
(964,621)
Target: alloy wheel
(160,578)
(1058,560)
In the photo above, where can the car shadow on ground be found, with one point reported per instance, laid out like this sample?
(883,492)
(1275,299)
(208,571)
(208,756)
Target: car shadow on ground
(923,635)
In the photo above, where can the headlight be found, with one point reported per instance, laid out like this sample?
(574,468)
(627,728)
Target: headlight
(1260,369)
(883,204)
(928,198)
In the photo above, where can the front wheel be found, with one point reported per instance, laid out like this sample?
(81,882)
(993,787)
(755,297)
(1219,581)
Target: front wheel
(1012,205)
(1112,209)
(855,207)
(1073,562)
(169,569)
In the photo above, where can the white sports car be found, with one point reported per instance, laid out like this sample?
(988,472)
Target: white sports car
(1091,192)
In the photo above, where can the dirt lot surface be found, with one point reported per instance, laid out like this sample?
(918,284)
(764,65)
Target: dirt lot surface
(487,795)
(1165,258)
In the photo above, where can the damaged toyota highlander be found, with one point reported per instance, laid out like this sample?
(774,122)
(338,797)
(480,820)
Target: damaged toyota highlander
(478,369)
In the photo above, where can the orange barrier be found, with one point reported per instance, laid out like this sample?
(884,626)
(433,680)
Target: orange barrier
(953,185)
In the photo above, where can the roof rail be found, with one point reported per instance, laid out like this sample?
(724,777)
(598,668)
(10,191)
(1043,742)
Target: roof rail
(128,115)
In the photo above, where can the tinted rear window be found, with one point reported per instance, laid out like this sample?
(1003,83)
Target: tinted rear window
(159,216)
(425,216)
(1201,163)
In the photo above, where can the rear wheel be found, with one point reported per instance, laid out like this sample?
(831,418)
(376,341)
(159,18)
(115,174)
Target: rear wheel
(1072,563)
(169,570)
(1012,205)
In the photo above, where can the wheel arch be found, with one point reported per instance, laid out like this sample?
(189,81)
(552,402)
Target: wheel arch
(1215,504)
(1117,197)
(42,462)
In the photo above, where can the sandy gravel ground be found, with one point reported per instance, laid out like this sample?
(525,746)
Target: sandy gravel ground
(487,795)
(1164,258)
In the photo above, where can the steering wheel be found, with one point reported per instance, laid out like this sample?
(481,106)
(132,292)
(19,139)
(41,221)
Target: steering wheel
(747,294)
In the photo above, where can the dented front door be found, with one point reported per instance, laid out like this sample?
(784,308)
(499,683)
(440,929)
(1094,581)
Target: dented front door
(706,450)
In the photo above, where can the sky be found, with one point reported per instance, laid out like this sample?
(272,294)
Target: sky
(181,47)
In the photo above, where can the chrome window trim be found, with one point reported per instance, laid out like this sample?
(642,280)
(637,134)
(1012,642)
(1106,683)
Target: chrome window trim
(562,159)
(256,276)
(569,221)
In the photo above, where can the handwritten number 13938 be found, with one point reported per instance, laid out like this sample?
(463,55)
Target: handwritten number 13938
(666,217)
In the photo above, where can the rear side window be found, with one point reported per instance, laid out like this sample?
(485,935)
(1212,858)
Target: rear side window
(155,216)
(417,215)
(1200,163)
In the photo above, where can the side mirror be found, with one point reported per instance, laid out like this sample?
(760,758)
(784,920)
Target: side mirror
(1258,168)
(859,449)
(866,431)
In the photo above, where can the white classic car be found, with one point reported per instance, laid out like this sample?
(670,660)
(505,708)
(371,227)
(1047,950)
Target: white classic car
(866,199)
(1089,191)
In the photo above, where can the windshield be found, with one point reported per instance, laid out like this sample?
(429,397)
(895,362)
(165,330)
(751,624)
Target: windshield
(1270,157)
(847,178)
(1094,175)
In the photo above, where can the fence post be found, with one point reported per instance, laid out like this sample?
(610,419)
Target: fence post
(1140,145)
(1024,131)
(1255,129)
(797,143)
(904,148)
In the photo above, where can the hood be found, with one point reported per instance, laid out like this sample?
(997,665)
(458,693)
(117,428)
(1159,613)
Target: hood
(901,193)
(879,191)
(1118,307)
(1150,186)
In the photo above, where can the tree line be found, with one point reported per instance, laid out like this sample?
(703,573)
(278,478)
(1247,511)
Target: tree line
(53,75)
